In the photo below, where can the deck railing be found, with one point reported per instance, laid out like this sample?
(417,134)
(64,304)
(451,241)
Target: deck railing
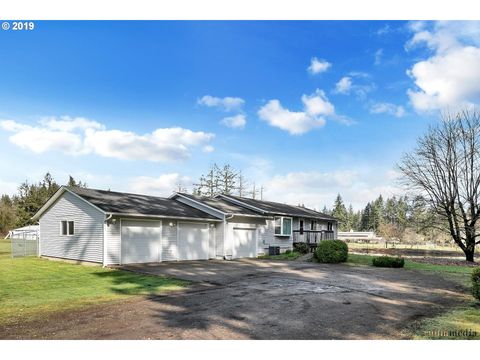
(312,236)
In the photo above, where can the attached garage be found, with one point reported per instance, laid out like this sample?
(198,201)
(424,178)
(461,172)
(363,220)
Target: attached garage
(141,241)
(193,241)
(244,242)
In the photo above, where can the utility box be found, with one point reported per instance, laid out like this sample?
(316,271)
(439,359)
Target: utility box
(274,250)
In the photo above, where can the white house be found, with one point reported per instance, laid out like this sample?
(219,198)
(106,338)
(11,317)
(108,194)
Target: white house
(110,227)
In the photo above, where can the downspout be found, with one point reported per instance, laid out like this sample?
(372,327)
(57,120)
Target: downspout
(105,239)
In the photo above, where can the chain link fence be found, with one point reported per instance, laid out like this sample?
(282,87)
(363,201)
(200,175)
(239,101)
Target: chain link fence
(24,246)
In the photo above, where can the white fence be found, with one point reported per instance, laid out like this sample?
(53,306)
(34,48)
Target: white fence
(359,236)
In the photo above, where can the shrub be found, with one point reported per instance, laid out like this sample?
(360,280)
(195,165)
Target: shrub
(476,283)
(288,251)
(331,251)
(388,262)
(302,248)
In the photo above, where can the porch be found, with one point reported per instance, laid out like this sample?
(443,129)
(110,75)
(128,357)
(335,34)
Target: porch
(312,237)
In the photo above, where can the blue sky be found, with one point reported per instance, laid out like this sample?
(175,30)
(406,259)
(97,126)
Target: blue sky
(307,109)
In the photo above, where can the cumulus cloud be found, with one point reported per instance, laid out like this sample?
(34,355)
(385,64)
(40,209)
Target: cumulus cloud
(450,76)
(226,104)
(236,122)
(344,85)
(164,185)
(387,108)
(315,107)
(316,189)
(79,136)
(318,66)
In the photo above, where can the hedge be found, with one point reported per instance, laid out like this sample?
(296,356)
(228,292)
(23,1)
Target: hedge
(331,251)
(388,262)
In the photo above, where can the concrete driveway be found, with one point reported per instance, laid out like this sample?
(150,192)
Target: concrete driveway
(258,299)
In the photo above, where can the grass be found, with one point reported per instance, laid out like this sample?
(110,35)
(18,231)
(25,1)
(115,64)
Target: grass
(450,325)
(460,323)
(32,287)
(290,256)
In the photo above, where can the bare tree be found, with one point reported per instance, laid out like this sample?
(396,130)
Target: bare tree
(445,170)
(208,184)
(242,185)
(226,178)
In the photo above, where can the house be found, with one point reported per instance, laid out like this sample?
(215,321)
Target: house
(110,227)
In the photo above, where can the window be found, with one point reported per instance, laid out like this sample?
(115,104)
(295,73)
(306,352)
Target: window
(313,225)
(329,226)
(283,226)
(301,225)
(67,228)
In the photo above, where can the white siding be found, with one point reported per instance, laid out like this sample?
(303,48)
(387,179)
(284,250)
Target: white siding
(113,238)
(86,244)
(219,239)
(266,235)
(169,242)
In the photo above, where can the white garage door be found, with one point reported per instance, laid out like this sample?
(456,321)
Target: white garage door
(244,241)
(141,241)
(192,241)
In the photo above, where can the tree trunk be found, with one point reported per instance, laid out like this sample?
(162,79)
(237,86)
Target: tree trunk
(470,250)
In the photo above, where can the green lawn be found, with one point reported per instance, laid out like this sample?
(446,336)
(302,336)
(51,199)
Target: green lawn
(290,256)
(32,287)
(450,325)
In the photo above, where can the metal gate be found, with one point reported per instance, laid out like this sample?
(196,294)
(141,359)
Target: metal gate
(24,246)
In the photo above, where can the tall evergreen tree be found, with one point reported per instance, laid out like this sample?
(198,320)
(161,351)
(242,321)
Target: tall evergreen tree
(339,211)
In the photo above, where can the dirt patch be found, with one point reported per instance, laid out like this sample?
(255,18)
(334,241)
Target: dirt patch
(444,261)
(411,252)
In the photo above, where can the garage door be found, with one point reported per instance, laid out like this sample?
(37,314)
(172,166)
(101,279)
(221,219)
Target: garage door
(141,241)
(193,241)
(244,241)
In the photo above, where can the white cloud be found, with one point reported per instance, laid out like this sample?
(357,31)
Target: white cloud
(164,185)
(316,189)
(387,108)
(237,122)
(227,103)
(450,77)
(378,56)
(79,136)
(318,66)
(208,149)
(344,85)
(316,106)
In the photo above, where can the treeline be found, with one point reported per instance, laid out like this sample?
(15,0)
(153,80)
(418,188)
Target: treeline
(17,210)
(389,217)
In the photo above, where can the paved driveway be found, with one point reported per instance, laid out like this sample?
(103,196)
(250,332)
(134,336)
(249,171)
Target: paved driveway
(256,299)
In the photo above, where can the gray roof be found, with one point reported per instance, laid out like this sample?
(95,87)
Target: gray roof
(275,208)
(135,204)
(222,205)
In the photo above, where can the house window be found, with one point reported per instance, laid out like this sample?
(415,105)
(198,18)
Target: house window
(329,226)
(67,228)
(313,225)
(283,226)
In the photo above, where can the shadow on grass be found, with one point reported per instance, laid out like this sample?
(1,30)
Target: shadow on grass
(127,283)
